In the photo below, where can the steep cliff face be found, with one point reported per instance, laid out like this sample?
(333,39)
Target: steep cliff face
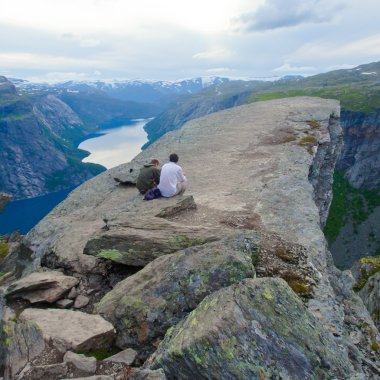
(37,145)
(360,159)
(353,226)
(258,192)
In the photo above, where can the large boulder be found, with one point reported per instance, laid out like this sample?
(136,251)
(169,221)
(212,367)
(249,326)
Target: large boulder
(141,240)
(258,329)
(71,330)
(41,287)
(145,305)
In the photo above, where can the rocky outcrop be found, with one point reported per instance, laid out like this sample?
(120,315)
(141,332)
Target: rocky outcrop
(145,305)
(272,336)
(270,179)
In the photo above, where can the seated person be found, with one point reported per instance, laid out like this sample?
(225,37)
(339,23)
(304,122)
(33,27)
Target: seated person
(149,176)
(172,179)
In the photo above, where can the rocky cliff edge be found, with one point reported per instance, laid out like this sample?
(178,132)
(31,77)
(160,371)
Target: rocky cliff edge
(259,189)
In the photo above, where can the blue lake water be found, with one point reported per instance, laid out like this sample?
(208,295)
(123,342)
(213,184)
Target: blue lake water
(116,145)
(113,147)
(23,215)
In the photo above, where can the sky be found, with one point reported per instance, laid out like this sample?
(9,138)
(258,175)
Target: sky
(58,40)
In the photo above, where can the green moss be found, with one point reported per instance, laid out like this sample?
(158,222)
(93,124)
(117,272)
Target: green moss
(4,249)
(110,254)
(308,140)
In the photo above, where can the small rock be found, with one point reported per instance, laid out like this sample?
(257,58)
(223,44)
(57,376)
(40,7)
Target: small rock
(81,301)
(65,303)
(147,374)
(81,362)
(127,357)
(73,294)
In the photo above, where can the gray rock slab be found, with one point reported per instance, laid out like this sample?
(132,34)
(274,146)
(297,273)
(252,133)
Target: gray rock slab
(127,357)
(86,365)
(141,240)
(41,287)
(71,330)
(257,329)
(143,306)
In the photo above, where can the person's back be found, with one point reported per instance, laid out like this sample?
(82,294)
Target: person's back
(149,176)
(172,179)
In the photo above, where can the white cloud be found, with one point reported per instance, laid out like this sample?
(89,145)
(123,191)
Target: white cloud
(212,54)
(174,39)
(287,67)
(220,70)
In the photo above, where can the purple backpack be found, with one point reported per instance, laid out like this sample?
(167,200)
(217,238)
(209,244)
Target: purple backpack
(152,194)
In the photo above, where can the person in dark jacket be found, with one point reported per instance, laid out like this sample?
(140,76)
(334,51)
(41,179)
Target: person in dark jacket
(149,176)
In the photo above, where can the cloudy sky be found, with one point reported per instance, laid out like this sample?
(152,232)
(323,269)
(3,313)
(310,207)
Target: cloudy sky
(54,40)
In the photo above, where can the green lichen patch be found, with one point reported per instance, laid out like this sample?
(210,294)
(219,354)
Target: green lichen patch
(298,284)
(313,123)
(110,254)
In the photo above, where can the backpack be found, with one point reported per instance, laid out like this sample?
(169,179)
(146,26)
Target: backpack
(152,193)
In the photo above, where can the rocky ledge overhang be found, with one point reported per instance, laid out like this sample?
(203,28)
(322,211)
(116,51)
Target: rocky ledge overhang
(265,167)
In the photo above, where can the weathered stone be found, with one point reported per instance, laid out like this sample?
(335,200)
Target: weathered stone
(71,330)
(147,374)
(86,365)
(24,342)
(145,305)
(65,303)
(370,294)
(81,301)
(138,242)
(41,287)
(127,357)
(257,329)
